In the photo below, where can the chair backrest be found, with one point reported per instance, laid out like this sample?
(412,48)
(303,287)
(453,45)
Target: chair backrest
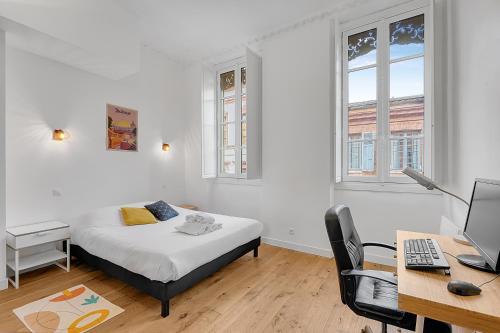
(346,244)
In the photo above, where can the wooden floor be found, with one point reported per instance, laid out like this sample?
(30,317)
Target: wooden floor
(281,291)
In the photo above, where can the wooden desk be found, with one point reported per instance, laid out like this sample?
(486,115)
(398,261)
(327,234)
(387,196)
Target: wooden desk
(426,294)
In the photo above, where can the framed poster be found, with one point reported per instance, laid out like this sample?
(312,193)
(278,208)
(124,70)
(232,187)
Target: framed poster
(122,124)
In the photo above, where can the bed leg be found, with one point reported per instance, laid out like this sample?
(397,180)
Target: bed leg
(256,252)
(165,308)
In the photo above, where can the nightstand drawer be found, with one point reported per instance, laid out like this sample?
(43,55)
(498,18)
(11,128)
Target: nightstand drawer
(36,238)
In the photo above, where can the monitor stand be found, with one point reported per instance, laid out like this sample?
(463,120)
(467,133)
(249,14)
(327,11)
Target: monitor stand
(474,261)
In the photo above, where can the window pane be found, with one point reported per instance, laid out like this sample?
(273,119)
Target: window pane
(244,80)
(406,124)
(232,111)
(244,107)
(361,155)
(229,161)
(407,78)
(362,122)
(363,85)
(406,150)
(227,84)
(354,156)
(406,115)
(368,165)
(228,109)
(229,134)
(243,133)
(407,37)
(362,49)
(243,159)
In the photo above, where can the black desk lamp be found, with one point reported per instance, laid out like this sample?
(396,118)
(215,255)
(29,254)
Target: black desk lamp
(431,185)
(428,183)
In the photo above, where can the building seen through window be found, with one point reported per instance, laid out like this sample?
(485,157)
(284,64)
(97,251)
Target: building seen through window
(402,106)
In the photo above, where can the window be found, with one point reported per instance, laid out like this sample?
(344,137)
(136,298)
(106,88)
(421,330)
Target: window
(386,122)
(231,116)
(232,121)
(361,153)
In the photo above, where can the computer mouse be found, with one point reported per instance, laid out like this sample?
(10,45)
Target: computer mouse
(463,288)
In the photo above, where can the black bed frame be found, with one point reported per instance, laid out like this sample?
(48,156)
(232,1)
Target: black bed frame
(164,291)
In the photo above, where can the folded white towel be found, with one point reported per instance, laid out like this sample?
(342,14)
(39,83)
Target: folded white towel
(200,218)
(196,228)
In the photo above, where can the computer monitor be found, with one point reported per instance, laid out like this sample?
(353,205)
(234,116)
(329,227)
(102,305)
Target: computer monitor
(482,228)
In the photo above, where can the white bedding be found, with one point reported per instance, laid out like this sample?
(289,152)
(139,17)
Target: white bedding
(158,251)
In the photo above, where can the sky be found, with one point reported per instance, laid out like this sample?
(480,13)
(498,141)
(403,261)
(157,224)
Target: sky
(406,77)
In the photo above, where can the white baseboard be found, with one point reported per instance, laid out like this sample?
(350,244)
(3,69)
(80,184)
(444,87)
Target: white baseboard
(324,252)
(4,283)
(299,247)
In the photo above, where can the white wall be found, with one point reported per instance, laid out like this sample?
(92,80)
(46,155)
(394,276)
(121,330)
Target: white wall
(474,111)
(43,95)
(294,192)
(378,215)
(96,35)
(295,189)
(3,280)
(296,133)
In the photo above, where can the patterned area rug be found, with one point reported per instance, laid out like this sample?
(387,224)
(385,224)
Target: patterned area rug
(75,310)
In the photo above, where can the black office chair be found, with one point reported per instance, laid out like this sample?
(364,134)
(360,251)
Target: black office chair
(369,293)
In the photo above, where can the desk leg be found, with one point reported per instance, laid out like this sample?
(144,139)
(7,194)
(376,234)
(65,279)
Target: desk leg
(457,329)
(420,324)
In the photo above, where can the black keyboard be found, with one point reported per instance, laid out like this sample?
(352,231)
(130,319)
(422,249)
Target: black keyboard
(424,254)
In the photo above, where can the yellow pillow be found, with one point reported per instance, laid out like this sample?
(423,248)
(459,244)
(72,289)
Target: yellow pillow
(133,216)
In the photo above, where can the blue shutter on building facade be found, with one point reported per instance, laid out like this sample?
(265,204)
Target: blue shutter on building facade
(368,153)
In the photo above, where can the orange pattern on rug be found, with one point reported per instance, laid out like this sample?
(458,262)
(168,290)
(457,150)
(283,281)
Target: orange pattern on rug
(75,310)
(68,294)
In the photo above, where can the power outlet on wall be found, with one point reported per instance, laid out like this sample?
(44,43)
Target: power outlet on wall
(56,192)
(291,231)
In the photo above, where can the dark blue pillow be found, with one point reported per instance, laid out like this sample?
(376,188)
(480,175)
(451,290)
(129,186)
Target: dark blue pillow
(162,210)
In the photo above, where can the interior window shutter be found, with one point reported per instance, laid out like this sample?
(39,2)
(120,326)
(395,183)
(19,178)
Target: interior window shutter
(209,125)
(254,115)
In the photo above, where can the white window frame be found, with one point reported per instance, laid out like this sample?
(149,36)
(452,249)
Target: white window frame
(235,65)
(382,23)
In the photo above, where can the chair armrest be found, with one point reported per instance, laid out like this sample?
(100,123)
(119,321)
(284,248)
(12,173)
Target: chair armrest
(379,275)
(390,247)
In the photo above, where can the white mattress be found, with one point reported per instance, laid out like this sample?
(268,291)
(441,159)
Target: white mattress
(158,251)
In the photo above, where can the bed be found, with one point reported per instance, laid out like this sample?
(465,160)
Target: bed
(156,258)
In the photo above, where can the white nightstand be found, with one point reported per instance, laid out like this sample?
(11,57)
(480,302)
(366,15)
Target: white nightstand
(188,206)
(25,236)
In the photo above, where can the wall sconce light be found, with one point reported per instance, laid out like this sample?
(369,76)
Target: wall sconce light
(165,147)
(58,135)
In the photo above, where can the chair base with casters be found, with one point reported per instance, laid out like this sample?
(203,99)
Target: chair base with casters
(430,326)
(368,293)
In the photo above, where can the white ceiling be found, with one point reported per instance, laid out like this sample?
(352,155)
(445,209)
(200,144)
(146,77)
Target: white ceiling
(189,30)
